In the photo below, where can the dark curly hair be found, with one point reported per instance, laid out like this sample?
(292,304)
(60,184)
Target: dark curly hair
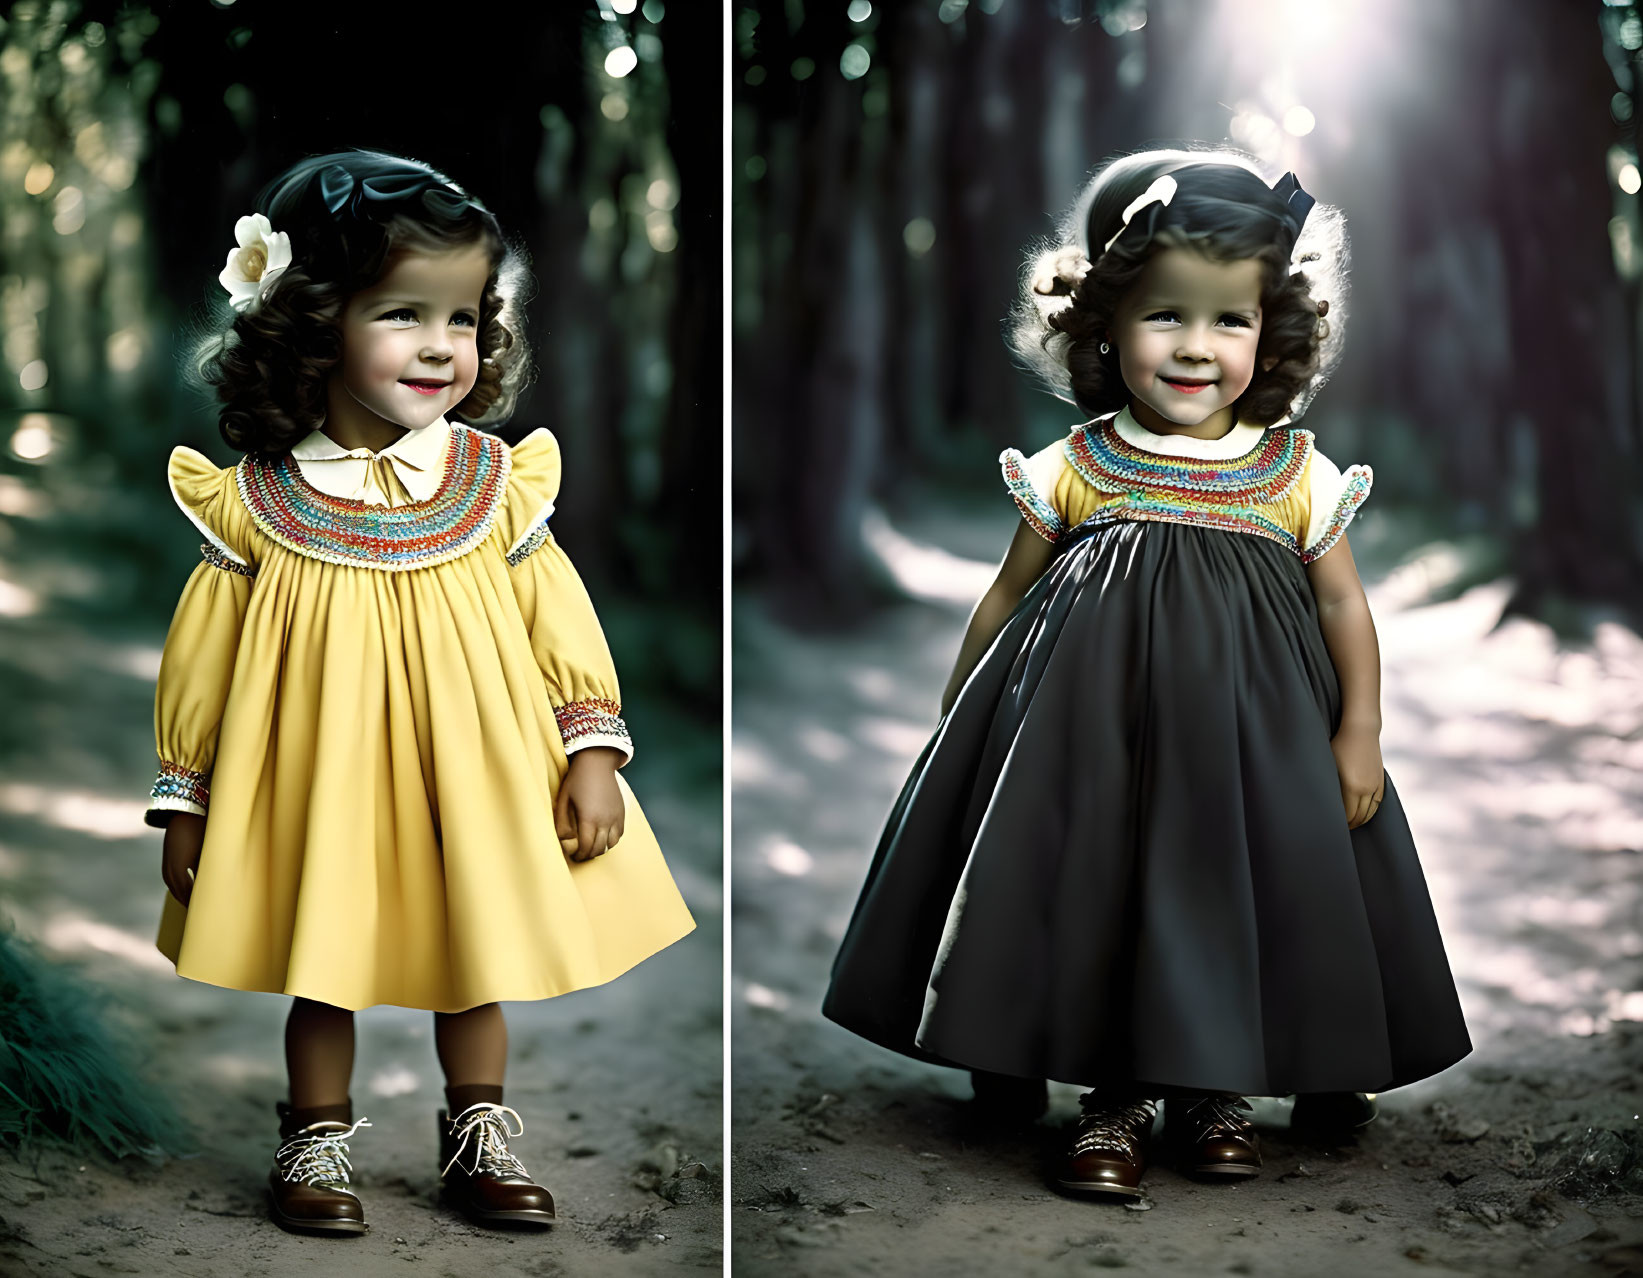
(350,215)
(1221,208)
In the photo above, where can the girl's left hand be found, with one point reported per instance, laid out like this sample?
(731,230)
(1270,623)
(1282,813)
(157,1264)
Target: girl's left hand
(588,814)
(1363,778)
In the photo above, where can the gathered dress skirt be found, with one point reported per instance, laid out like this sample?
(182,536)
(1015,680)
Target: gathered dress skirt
(1123,857)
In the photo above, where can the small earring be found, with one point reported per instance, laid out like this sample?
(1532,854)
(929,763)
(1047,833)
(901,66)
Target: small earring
(1105,349)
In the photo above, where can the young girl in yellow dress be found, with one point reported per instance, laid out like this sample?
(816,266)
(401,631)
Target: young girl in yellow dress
(1151,848)
(387,720)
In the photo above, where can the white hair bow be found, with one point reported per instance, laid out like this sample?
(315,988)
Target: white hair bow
(1162,190)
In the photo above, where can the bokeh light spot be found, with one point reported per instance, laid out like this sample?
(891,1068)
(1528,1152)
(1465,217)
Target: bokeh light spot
(854,61)
(1132,69)
(1299,121)
(69,210)
(125,350)
(919,235)
(33,377)
(859,11)
(662,194)
(1630,180)
(613,106)
(660,231)
(620,61)
(32,439)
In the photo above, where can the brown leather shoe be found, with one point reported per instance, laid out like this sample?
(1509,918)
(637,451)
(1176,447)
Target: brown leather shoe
(1213,1137)
(491,1186)
(1333,1113)
(1108,1154)
(308,1182)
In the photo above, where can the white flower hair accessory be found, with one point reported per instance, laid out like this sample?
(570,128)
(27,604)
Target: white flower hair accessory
(1161,191)
(260,256)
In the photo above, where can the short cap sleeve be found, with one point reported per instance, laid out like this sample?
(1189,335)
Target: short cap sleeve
(209,496)
(533,485)
(1034,483)
(1333,498)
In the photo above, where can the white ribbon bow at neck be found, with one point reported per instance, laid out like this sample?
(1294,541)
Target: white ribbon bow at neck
(260,255)
(1162,190)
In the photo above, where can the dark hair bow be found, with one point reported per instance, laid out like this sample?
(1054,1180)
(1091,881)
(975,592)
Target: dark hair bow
(339,189)
(1284,202)
(1296,202)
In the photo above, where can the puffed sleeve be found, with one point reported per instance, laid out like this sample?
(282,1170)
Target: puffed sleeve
(1035,485)
(200,646)
(565,633)
(1333,498)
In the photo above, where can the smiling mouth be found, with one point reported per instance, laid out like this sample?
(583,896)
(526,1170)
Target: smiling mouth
(1186,385)
(423,384)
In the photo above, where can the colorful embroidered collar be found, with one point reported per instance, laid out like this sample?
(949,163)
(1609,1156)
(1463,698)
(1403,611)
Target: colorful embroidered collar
(1262,475)
(340,530)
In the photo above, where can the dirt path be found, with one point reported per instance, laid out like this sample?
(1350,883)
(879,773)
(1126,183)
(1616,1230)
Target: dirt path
(618,1087)
(1518,766)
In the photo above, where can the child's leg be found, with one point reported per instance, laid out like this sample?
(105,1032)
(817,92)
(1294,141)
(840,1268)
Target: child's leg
(473,1052)
(319,1053)
(308,1183)
(1006,1100)
(480,1175)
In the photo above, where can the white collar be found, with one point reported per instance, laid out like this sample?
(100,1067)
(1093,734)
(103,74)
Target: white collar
(417,459)
(1241,439)
(419,449)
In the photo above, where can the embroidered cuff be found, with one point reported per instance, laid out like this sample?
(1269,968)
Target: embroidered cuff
(217,559)
(1358,482)
(595,721)
(527,544)
(535,534)
(1038,513)
(176,789)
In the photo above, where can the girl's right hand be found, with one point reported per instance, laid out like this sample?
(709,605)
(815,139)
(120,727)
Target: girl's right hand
(184,837)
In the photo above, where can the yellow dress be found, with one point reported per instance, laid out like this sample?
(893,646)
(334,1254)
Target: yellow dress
(372,707)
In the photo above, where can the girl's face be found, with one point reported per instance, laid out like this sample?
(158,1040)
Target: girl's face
(417,326)
(1186,334)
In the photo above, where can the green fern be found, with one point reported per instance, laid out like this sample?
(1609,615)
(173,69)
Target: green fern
(67,1075)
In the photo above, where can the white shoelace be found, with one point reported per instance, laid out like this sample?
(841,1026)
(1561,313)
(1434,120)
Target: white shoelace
(321,1158)
(484,1123)
(1119,1124)
(1219,1116)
